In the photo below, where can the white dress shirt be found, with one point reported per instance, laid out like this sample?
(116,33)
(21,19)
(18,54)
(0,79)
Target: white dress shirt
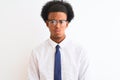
(74,62)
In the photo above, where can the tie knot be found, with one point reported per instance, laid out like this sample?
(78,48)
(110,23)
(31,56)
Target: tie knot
(57,47)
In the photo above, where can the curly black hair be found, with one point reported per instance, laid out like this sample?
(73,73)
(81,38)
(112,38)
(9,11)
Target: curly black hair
(57,6)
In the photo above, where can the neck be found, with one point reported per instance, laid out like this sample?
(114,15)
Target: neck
(57,39)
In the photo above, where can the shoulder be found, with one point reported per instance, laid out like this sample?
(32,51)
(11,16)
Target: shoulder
(40,48)
(42,45)
(75,45)
(79,49)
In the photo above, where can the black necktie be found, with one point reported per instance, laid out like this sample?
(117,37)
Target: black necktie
(57,66)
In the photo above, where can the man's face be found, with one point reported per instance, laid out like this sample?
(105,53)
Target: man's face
(57,23)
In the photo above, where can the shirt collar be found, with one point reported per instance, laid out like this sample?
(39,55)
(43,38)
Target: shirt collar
(61,44)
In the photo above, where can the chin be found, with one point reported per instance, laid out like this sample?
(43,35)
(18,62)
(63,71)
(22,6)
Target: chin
(59,36)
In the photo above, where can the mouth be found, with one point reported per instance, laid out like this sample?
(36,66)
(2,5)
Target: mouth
(57,31)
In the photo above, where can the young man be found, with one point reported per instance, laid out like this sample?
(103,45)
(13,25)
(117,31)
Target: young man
(58,58)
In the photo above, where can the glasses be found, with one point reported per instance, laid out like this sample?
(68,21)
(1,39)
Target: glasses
(54,22)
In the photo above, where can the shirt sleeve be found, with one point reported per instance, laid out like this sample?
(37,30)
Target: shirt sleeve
(33,70)
(85,66)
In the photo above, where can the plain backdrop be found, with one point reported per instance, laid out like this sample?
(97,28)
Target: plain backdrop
(96,27)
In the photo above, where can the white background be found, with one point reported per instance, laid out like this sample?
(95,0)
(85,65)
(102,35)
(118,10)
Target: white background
(96,27)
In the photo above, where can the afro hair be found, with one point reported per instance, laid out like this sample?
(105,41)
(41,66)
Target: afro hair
(57,6)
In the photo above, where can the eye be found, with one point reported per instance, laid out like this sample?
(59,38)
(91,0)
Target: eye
(53,21)
(62,21)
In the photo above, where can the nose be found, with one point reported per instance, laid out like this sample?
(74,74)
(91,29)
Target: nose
(57,25)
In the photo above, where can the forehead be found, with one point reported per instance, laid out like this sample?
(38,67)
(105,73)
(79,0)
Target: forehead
(57,15)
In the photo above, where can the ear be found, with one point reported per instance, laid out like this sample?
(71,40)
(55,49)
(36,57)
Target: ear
(47,23)
(67,24)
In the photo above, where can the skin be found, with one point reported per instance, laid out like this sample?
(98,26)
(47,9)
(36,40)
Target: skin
(57,32)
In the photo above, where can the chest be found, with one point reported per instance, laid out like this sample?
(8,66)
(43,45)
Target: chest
(69,65)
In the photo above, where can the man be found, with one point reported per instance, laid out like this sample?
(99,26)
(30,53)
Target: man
(64,62)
